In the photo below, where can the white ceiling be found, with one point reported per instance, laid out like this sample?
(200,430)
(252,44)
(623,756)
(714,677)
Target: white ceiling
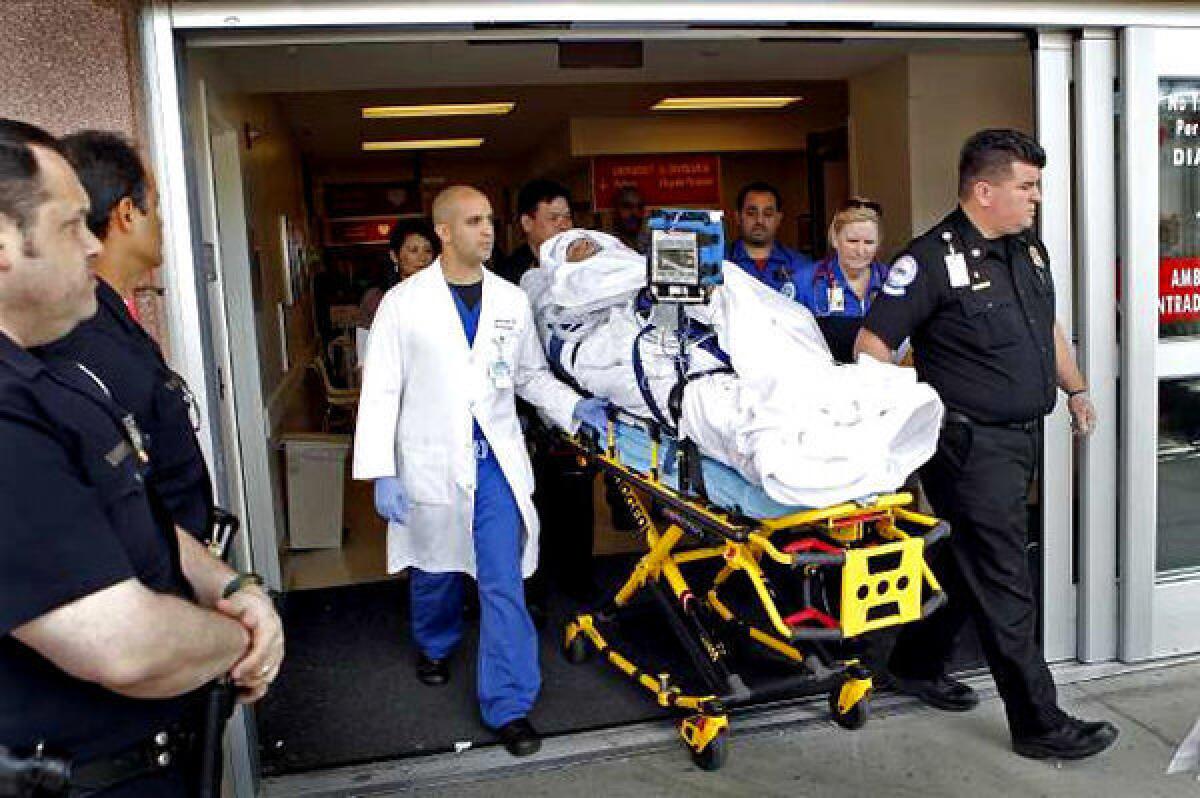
(321,87)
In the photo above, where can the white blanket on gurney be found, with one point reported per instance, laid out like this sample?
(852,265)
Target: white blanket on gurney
(811,432)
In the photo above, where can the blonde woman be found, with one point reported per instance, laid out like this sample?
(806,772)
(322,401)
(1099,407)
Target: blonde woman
(845,282)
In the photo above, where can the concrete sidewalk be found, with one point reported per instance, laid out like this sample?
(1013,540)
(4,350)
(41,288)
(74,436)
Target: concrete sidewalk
(907,750)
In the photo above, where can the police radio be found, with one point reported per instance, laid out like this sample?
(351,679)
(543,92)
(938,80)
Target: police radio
(687,248)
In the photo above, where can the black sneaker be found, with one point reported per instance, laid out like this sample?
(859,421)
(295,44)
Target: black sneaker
(942,692)
(1072,739)
(519,737)
(433,672)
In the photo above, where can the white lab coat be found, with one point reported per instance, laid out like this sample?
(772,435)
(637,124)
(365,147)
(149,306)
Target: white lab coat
(422,386)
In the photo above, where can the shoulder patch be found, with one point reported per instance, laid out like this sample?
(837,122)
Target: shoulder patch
(900,275)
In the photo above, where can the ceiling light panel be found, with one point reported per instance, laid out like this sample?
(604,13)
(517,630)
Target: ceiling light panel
(420,144)
(722,103)
(441,109)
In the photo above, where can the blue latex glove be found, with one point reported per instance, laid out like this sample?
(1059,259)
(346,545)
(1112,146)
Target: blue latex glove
(391,502)
(592,413)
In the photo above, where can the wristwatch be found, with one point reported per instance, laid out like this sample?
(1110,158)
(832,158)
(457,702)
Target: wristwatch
(240,581)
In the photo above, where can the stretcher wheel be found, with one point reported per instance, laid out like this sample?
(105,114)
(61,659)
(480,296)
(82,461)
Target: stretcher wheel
(713,755)
(853,717)
(576,650)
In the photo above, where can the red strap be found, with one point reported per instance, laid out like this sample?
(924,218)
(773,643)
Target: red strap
(811,544)
(810,614)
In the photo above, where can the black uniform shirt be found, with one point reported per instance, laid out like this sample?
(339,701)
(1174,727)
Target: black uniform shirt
(75,519)
(122,354)
(513,267)
(986,345)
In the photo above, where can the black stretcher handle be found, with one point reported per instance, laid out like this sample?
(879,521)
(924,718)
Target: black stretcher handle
(802,559)
(807,633)
(933,604)
(937,534)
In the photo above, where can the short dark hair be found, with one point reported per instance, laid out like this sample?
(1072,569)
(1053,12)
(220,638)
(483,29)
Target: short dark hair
(21,189)
(110,169)
(990,154)
(761,186)
(403,228)
(535,192)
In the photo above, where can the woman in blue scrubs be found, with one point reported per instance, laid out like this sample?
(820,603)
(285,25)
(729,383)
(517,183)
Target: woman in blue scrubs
(845,282)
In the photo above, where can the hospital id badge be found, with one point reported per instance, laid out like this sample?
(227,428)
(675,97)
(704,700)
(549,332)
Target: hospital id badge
(956,267)
(501,374)
(837,299)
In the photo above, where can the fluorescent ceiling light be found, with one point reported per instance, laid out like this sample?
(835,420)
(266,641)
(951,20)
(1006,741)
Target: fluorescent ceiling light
(722,103)
(420,144)
(444,109)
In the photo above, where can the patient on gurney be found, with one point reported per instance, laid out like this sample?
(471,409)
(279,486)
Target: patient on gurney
(755,388)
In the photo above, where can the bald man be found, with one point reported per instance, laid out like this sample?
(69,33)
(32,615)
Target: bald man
(450,350)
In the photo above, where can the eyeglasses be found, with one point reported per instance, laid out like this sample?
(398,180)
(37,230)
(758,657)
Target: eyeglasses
(869,205)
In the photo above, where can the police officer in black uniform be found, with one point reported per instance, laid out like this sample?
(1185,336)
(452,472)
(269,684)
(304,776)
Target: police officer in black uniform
(975,294)
(114,346)
(108,623)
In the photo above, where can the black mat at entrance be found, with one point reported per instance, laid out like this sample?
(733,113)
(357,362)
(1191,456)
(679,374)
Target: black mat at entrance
(348,694)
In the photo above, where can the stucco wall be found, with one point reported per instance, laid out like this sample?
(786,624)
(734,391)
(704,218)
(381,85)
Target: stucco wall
(70,64)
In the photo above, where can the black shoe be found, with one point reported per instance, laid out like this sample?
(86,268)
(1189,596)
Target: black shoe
(1072,739)
(433,672)
(519,737)
(941,692)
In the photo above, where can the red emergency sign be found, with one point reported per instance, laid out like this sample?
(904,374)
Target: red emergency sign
(662,180)
(1178,290)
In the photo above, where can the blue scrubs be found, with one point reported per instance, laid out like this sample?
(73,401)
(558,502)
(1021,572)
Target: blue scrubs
(820,293)
(509,677)
(785,270)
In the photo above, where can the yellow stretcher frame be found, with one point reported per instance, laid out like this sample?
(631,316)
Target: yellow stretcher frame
(884,575)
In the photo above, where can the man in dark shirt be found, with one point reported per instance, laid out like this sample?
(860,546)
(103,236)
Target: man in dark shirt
(975,293)
(108,622)
(543,211)
(113,345)
(564,488)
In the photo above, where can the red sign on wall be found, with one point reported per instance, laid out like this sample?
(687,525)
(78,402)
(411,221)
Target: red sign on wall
(662,180)
(345,232)
(1178,290)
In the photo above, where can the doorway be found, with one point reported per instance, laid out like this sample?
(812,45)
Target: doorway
(296,115)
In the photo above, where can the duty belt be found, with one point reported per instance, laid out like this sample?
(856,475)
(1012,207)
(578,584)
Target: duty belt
(164,750)
(955,417)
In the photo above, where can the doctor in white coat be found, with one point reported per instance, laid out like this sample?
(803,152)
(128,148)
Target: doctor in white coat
(438,433)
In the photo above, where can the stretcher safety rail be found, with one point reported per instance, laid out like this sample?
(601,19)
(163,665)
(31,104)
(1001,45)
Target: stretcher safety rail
(857,567)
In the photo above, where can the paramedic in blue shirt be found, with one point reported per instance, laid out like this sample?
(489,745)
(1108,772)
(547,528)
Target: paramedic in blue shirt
(844,284)
(760,210)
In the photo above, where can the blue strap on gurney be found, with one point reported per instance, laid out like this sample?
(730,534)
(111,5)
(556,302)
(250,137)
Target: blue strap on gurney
(724,486)
(696,334)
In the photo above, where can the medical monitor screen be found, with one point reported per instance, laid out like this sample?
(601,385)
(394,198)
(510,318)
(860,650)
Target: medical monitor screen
(675,259)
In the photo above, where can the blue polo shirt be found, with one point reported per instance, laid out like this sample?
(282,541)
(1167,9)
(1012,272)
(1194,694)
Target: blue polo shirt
(815,292)
(785,270)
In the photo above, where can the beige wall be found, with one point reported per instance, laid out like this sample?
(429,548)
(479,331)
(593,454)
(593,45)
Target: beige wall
(950,97)
(70,64)
(909,118)
(879,147)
